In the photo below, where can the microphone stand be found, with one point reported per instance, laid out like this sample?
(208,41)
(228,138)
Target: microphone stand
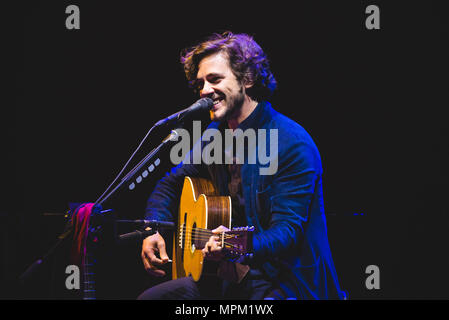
(31,270)
(106,221)
(23,278)
(127,179)
(36,265)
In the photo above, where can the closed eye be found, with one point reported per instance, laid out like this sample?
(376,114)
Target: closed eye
(213,78)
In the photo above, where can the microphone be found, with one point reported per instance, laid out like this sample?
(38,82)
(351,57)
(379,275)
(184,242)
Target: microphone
(135,235)
(155,224)
(196,109)
(140,235)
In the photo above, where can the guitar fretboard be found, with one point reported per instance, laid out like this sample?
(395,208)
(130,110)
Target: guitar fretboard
(89,276)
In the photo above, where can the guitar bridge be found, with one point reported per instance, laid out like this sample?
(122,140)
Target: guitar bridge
(181,234)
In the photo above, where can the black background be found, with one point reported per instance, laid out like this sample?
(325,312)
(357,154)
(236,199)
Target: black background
(374,102)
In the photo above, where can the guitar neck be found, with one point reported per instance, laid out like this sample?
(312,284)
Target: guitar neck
(89,292)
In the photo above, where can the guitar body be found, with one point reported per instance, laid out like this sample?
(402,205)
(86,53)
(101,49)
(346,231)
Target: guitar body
(200,208)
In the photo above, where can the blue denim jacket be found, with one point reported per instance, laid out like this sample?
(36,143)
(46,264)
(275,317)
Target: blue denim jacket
(286,208)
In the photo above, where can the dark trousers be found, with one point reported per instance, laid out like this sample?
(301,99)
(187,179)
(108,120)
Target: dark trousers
(209,288)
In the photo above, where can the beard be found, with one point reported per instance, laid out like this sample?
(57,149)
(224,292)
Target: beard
(233,104)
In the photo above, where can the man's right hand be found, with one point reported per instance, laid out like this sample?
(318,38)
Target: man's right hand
(150,246)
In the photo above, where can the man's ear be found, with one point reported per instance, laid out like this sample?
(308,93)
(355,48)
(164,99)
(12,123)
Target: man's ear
(248,84)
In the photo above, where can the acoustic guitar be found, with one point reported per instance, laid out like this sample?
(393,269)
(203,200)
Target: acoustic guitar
(201,210)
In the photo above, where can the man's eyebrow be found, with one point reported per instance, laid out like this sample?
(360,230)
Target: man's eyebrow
(212,75)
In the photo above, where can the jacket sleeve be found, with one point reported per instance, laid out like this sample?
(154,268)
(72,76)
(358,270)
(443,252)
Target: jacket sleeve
(292,191)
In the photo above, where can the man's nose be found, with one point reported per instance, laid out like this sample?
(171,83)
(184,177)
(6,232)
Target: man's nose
(207,90)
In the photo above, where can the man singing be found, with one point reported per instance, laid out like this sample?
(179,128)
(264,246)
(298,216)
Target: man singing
(291,254)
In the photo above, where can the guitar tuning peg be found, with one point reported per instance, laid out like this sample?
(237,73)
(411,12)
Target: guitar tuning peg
(251,228)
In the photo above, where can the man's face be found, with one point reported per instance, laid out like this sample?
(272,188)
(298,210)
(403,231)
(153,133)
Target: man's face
(216,80)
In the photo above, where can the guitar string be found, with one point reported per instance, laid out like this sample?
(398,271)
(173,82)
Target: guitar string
(207,230)
(201,229)
(225,243)
(190,237)
(231,245)
(204,231)
(202,237)
(203,234)
(199,236)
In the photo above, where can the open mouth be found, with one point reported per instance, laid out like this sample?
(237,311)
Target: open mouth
(217,103)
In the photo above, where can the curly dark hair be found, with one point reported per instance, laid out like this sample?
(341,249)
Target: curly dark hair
(246,58)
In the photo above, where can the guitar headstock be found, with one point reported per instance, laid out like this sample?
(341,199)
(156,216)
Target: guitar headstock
(239,241)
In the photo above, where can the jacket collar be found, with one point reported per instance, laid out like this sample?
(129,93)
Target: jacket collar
(256,119)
